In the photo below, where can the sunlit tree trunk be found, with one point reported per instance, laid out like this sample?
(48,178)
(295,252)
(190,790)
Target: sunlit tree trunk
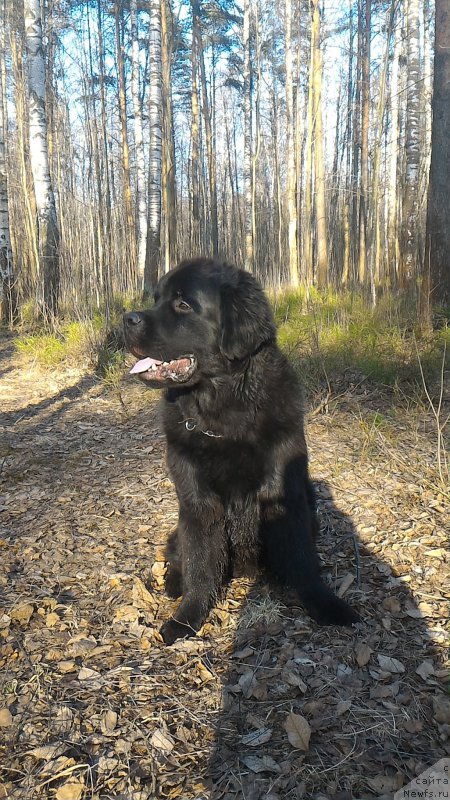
(291,171)
(247,106)
(125,153)
(7,287)
(426,103)
(139,146)
(392,177)
(48,233)
(319,163)
(308,175)
(435,287)
(195,134)
(155,157)
(210,151)
(364,22)
(168,188)
(409,240)
(104,170)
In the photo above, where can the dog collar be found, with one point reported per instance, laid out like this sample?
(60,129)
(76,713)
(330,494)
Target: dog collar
(190,425)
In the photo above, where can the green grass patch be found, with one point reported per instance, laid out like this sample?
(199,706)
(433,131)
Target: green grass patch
(329,333)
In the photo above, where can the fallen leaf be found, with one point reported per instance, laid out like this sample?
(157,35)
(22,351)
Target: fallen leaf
(264,764)
(71,790)
(298,731)
(343,706)
(126,614)
(52,619)
(86,674)
(413,725)
(162,741)
(441,709)
(204,673)
(425,669)
(255,738)
(142,598)
(362,654)
(66,666)
(48,751)
(345,584)
(22,614)
(6,717)
(108,722)
(390,664)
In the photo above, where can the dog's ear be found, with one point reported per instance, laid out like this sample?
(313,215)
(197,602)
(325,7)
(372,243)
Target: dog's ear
(246,317)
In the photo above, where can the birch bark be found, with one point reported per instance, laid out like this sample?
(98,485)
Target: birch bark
(48,233)
(139,146)
(155,158)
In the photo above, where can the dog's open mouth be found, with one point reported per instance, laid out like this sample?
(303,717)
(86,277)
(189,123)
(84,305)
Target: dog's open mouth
(178,370)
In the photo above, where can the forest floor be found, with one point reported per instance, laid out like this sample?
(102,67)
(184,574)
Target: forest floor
(263,703)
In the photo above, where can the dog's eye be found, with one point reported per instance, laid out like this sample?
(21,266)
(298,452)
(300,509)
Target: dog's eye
(182,306)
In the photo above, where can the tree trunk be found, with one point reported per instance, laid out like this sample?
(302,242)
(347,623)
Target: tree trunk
(319,162)
(210,149)
(129,222)
(155,159)
(169,210)
(247,105)
(291,171)
(435,287)
(409,242)
(139,147)
(48,233)
(7,285)
(364,21)
(392,178)
(195,132)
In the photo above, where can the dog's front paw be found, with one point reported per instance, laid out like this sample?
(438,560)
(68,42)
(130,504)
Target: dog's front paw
(173,630)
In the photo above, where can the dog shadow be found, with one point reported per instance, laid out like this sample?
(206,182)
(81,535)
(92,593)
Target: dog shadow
(343,712)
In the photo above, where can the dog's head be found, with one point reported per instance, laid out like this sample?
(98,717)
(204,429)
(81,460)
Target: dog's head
(207,316)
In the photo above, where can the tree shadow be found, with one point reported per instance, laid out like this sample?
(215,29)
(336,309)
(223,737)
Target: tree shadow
(371,714)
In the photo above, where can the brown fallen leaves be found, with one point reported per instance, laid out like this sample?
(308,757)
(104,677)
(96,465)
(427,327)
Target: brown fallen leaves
(263,704)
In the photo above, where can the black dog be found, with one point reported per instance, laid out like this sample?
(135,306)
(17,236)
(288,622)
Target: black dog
(233,419)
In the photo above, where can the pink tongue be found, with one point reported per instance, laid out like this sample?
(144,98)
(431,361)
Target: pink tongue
(143,365)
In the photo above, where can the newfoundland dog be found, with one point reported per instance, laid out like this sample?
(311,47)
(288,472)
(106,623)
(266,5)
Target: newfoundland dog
(236,447)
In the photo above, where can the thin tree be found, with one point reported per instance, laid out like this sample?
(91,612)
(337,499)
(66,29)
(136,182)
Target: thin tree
(291,170)
(48,233)
(319,162)
(409,239)
(247,106)
(138,145)
(7,287)
(152,260)
(195,133)
(436,271)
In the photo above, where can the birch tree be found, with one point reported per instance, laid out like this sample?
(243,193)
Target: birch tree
(6,257)
(392,156)
(247,107)
(155,156)
(47,224)
(138,145)
(409,240)
(319,163)
(290,165)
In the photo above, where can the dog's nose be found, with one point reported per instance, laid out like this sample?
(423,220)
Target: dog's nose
(131,319)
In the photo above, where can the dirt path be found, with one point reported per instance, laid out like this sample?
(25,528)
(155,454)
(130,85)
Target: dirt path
(93,705)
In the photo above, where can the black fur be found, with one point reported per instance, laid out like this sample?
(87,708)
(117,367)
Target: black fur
(235,443)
